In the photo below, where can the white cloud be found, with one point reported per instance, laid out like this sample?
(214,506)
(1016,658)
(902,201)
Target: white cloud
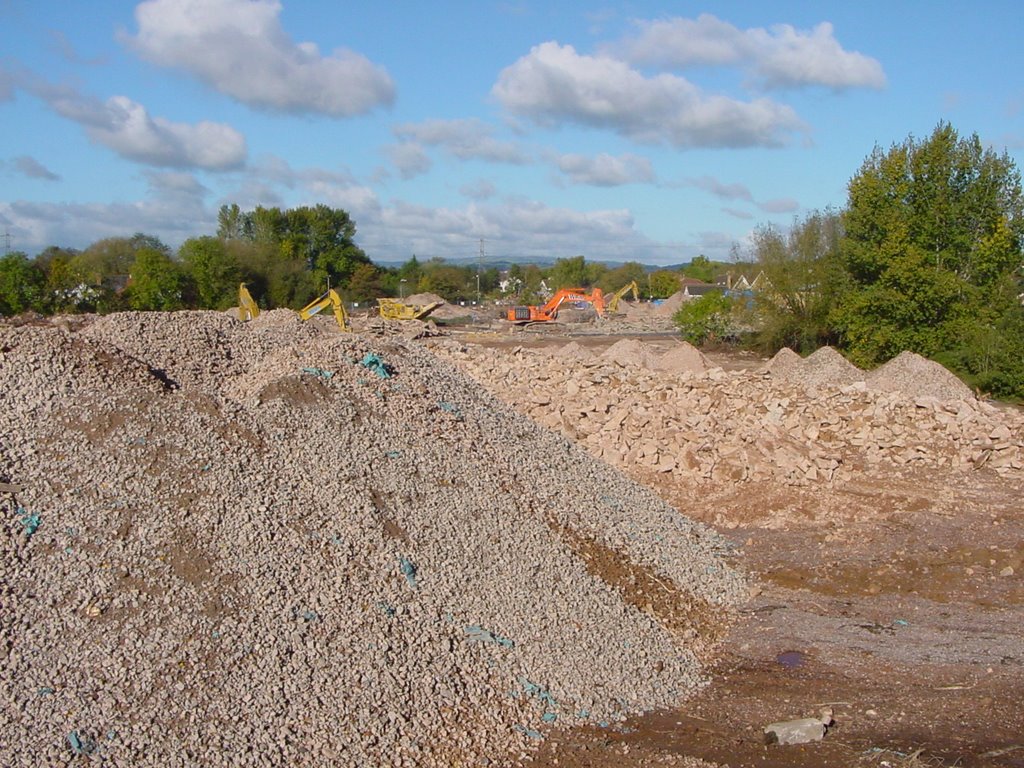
(720,189)
(29,166)
(409,158)
(780,56)
(125,127)
(605,170)
(173,212)
(554,84)
(239,48)
(467,139)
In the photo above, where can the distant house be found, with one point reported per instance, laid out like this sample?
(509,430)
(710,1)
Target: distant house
(697,289)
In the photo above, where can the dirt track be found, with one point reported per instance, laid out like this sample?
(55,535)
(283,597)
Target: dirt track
(898,601)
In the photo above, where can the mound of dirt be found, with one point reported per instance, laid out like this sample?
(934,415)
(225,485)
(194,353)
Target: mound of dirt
(423,298)
(916,376)
(574,351)
(682,359)
(631,352)
(669,306)
(317,549)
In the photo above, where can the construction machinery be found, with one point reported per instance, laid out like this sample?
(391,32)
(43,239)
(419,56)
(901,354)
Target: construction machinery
(613,302)
(393,309)
(548,312)
(328,299)
(247,308)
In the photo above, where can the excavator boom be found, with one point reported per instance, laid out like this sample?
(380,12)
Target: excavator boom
(247,307)
(328,299)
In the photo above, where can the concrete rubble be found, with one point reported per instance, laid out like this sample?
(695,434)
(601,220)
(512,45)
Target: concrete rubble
(274,544)
(795,421)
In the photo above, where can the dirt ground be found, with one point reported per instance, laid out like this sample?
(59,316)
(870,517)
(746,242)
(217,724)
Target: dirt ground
(896,601)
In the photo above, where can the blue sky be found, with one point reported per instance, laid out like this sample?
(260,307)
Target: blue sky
(621,131)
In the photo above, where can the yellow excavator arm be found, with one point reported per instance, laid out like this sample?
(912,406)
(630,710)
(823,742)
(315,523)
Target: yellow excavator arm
(328,299)
(247,308)
(613,302)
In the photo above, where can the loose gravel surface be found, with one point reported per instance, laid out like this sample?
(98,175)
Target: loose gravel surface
(274,544)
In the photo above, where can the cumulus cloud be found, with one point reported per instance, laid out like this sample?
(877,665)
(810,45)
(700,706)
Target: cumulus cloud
(29,166)
(720,189)
(554,84)
(780,56)
(173,211)
(605,170)
(466,139)
(409,158)
(238,47)
(127,128)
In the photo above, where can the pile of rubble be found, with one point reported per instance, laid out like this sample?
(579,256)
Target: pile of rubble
(272,543)
(797,421)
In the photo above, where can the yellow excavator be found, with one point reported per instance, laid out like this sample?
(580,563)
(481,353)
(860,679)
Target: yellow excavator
(393,309)
(613,302)
(247,308)
(329,299)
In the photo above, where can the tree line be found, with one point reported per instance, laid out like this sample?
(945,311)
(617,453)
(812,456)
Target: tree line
(925,256)
(286,258)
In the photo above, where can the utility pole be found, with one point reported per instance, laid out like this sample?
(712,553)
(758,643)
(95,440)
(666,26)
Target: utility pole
(479,266)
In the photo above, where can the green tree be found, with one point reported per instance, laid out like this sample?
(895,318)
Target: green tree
(569,273)
(933,228)
(700,268)
(802,279)
(214,271)
(706,319)
(22,284)
(156,282)
(366,284)
(663,283)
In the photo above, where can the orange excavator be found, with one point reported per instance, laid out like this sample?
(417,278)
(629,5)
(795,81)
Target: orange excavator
(548,312)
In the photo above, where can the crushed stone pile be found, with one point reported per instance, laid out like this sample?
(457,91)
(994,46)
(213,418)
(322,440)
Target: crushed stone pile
(669,306)
(748,426)
(275,544)
(909,372)
(630,352)
(683,358)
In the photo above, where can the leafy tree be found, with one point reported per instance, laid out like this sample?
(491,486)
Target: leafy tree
(22,284)
(156,282)
(569,273)
(663,283)
(232,224)
(613,279)
(803,276)
(932,228)
(214,271)
(449,281)
(700,268)
(706,319)
(365,283)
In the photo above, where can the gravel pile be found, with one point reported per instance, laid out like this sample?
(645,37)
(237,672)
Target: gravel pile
(683,358)
(631,352)
(910,373)
(274,544)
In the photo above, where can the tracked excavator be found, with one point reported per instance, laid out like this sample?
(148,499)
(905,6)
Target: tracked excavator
(549,311)
(328,299)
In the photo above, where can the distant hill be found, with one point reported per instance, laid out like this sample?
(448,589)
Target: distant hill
(505,263)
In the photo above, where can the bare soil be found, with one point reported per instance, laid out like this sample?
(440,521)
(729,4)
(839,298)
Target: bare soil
(897,601)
